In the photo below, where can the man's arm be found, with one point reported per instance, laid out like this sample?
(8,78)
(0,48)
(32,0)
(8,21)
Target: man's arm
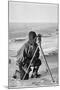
(39,44)
(20,55)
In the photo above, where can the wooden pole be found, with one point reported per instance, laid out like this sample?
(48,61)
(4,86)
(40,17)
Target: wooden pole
(30,63)
(47,64)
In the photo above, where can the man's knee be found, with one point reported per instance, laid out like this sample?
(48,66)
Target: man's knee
(38,63)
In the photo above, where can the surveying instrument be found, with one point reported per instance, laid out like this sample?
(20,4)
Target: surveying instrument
(39,46)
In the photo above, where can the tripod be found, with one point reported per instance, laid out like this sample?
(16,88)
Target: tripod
(44,59)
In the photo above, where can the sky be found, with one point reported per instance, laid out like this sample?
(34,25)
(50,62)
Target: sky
(20,12)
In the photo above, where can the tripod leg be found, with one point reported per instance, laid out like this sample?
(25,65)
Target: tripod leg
(47,65)
(30,63)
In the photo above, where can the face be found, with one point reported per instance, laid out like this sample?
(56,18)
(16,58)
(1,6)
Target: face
(32,41)
(35,39)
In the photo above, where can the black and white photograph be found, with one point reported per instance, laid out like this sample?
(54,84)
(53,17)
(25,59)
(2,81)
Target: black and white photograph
(33,44)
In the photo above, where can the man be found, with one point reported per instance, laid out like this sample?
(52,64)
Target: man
(28,52)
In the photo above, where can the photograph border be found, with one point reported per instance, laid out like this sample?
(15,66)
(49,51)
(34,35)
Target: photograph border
(57,43)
